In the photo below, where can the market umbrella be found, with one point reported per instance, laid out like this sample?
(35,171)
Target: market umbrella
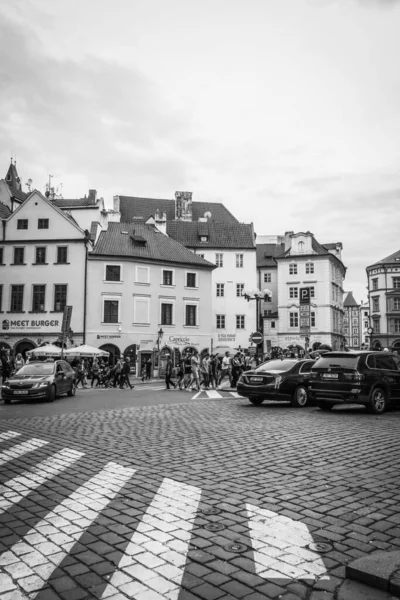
(48,350)
(223,349)
(85,351)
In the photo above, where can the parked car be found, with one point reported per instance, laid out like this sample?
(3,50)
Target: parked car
(285,379)
(37,380)
(358,377)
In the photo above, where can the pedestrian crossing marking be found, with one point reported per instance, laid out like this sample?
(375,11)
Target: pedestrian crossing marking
(21,486)
(21,449)
(147,561)
(8,435)
(278,543)
(82,507)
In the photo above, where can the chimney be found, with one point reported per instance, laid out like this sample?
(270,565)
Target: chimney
(116,204)
(92,196)
(160,220)
(288,239)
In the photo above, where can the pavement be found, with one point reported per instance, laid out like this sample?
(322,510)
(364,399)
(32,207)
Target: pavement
(209,498)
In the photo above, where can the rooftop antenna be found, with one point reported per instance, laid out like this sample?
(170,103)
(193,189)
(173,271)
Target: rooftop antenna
(29,184)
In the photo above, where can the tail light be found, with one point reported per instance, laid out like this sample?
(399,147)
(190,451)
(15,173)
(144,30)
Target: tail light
(354,376)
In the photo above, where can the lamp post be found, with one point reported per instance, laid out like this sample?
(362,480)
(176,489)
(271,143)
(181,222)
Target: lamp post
(257,295)
(370,331)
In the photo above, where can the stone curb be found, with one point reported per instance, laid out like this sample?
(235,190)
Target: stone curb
(380,570)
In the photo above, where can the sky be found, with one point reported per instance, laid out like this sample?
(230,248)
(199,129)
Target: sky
(287,111)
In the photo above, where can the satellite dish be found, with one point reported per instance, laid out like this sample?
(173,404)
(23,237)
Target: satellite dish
(207,214)
(30,181)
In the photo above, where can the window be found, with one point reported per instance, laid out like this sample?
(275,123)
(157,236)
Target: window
(62,254)
(1,297)
(220,321)
(111,311)
(292,269)
(113,273)
(396,304)
(273,324)
(267,299)
(397,325)
(201,255)
(239,289)
(240,322)
(142,274)
(204,238)
(220,289)
(355,342)
(191,280)
(309,268)
(191,315)
(239,260)
(41,255)
(312,317)
(60,297)
(375,304)
(219,259)
(312,292)
(293,319)
(293,292)
(19,256)
(38,294)
(300,246)
(43,223)
(267,277)
(376,326)
(1,256)
(396,282)
(385,362)
(17,298)
(141,310)
(22,224)
(374,283)
(167,278)
(166,314)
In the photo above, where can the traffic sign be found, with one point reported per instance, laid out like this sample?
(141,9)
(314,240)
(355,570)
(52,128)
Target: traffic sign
(256,337)
(305,295)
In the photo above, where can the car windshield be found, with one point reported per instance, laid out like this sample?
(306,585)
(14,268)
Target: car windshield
(37,369)
(332,362)
(276,365)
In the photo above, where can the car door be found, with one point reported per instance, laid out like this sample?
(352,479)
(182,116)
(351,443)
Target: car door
(305,370)
(388,368)
(61,379)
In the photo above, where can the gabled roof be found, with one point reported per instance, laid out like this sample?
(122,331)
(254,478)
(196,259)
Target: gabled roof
(219,235)
(349,300)
(133,206)
(393,258)
(266,254)
(18,194)
(123,240)
(5,212)
(74,202)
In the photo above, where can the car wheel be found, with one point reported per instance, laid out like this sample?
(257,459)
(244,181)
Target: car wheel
(52,394)
(72,391)
(300,397)
(325,406)
(378,401)
(257,400)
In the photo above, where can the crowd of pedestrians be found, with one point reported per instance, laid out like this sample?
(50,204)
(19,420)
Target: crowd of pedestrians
(100,374)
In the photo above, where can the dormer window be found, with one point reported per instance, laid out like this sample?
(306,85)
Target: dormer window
(204,238)
(301,246)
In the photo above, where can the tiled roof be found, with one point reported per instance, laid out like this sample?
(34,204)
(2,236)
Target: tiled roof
(266,254)
(5,212)
(393,258)
(220,235)
(93,230)
(158,247)
(18,194)
(132,206)
(74,202)
(349,300)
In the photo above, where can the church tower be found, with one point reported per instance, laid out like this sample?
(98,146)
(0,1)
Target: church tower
(12,178)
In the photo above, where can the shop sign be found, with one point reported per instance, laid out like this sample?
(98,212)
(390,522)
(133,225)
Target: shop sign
(227,337)
(147,343)
(108,337)
(30,325)
(181,341)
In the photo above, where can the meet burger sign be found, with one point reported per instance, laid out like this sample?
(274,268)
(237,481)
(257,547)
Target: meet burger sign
(30,325)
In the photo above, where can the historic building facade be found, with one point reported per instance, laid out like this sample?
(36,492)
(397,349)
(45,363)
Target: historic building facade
(384,302)
(351,323)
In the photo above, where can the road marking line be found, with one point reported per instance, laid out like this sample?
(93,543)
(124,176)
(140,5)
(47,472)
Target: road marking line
(213,394)
(15,489)
(21,449)
(235,395)
(82,507)
(159,566)
(8,435)
(269,530)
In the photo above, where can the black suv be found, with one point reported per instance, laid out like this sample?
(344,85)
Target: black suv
(364,377)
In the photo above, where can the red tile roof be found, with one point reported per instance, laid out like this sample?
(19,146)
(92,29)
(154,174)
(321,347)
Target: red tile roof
(5,212)
(74,202)
(219,235)
(349,300)
(393,258)
(119,240)
(266,253)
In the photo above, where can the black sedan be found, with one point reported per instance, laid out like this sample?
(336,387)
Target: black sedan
(40,380)
(285,379)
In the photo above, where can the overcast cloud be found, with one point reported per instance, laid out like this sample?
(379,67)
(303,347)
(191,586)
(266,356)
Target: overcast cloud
(286,110)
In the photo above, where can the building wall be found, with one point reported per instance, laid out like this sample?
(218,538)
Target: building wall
(351,327)
(384,304)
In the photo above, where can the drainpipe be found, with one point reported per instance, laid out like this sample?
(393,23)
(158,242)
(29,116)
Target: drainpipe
(386,308)
(86,239)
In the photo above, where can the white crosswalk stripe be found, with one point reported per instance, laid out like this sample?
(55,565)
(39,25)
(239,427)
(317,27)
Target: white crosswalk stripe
(21,449)
(8,435)
(51,540)
(19,487)
(173,509)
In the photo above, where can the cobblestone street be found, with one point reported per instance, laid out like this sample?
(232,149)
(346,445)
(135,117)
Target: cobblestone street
(205,499)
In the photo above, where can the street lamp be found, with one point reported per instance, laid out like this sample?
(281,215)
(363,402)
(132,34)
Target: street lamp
(160,335)
(257,295)
(370,331)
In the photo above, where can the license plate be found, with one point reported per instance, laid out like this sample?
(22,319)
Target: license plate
(21,392)
(256,379)
(330,375)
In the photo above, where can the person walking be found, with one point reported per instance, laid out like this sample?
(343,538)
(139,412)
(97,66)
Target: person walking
(95,372)
(204,369)
(168,373)
(212,371)
(18,362)
(194,362)
(117,373)
(187,371)
(236,369)
(125,370)
(80,374)
(225,369)
(148,368)
(181,374)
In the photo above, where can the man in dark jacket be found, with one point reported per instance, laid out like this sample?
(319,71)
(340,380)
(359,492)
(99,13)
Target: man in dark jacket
(125,370)
(168,373)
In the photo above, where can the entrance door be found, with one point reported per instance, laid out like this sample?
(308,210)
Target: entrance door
(144,357)
(23,347)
